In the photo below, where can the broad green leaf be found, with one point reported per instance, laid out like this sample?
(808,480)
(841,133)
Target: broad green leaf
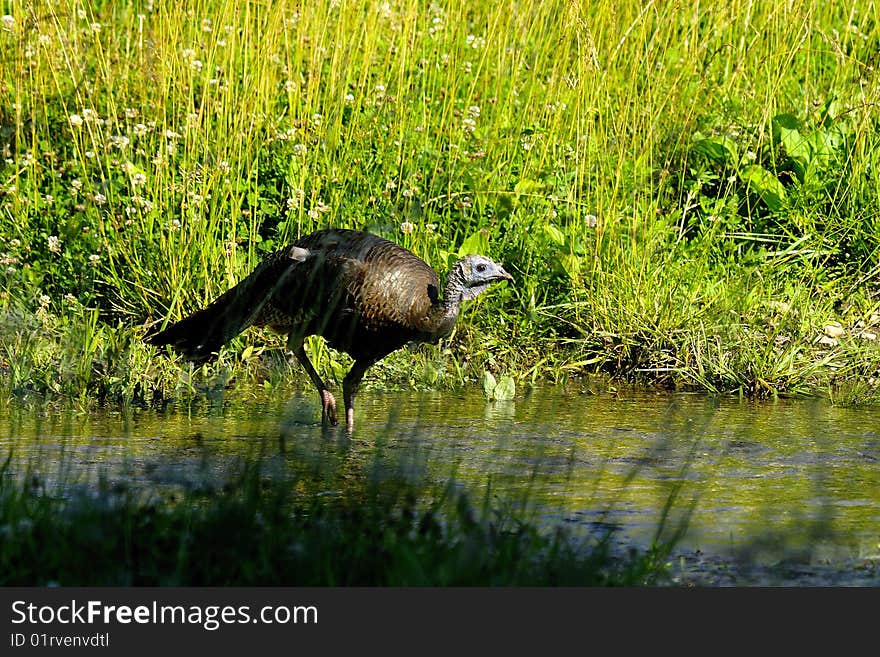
(476,243)
(787,130)
(554,233)
(765,185)
(489,384)
(721,150)
(572,266)
(505,390)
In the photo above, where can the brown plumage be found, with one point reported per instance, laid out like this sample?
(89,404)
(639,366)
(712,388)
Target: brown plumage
(365,295)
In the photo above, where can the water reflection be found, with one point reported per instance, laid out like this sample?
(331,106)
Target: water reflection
(771,477)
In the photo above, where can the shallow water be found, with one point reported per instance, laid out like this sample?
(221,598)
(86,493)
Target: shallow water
(773,480)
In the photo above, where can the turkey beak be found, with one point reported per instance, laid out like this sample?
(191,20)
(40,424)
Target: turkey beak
(503,275)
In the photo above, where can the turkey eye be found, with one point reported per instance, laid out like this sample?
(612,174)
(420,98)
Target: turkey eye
(481,268)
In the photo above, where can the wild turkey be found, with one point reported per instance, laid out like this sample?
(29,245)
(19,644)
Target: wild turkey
(365,295)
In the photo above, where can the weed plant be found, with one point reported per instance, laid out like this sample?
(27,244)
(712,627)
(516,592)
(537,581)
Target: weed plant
(686,193)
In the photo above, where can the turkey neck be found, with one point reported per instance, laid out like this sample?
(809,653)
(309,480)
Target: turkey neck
(444,312)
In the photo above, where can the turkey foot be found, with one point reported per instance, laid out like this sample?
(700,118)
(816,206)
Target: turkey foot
(329,404)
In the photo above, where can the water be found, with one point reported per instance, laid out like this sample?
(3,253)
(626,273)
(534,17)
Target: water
(768,479)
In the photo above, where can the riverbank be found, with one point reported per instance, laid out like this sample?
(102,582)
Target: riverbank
(686,196)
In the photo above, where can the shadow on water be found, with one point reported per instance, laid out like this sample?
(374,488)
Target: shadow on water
(746,492)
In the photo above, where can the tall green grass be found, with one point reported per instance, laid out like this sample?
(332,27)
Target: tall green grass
(685,193)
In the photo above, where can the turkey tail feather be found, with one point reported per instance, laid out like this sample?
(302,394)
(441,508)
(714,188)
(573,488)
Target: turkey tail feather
(200,335)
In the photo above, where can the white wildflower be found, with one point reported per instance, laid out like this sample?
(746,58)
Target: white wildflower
(119,141)
(407,227)
(296,199)
(476,42)
(54,244)
(436,25)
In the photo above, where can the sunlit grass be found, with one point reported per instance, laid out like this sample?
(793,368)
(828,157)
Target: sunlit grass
(660,178)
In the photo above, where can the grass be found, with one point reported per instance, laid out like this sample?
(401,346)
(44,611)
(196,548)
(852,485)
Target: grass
(686,194)
(260,530)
